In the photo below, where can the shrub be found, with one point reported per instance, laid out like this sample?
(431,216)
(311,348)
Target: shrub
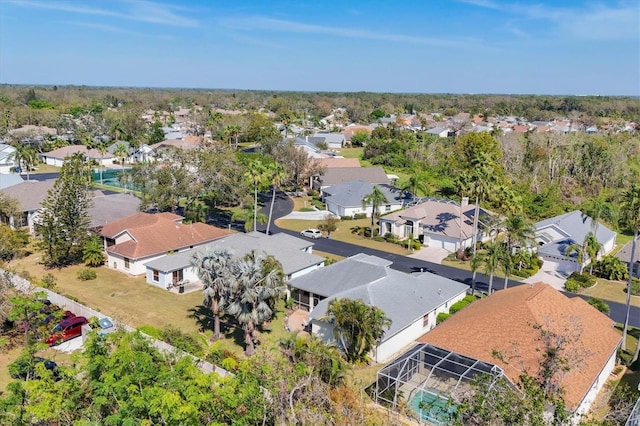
(441,317)
(359,216)
(635,287)
(87,274)
(312,193)
(288,304)
(468,299)
(611,268)
(600,305)
(379,238)
(306,209)
(318,204)
(572,286)
(346,217)
(181,340)
(48,281)
(577,281)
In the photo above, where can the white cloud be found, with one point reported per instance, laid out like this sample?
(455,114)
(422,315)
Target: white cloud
(279,25)
(133,10)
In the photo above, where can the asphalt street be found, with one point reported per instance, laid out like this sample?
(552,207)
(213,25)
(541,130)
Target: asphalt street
(284,205)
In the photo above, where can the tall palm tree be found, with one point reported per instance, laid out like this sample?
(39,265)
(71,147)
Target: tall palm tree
(232,132)
(592,248)
(255,174)
(489,261)
(375,199)
(25,157)
(589,249)
(255,287)
(597,211)
(121,152)
(518,229)
(213,267)
(102,149)
(277,175)
(248,215)
(630,218)
(507,264)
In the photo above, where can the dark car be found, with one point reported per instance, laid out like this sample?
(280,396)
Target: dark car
(66,329)
(26,369)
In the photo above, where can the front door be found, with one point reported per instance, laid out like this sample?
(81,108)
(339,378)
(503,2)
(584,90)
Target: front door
(177,276)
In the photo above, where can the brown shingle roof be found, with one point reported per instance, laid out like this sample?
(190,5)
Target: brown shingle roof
(504,323)
(338,162)
(153,234)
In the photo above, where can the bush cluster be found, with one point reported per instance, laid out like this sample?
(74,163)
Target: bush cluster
(441,317)
(468,299)
(175,337)
(87,274)
(390,238)
(578,281)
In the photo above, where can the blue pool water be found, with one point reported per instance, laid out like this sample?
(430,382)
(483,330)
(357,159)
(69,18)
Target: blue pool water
(431,407)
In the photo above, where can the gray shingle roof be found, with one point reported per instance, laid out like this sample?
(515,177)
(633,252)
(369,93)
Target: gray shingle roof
(9,179)
(625,252)
(350,194)
(402,297)
(288,250)
(30,194)
(347,174)
(576,227)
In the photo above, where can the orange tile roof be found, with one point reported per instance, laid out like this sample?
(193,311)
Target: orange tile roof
(153,234)
(503,322)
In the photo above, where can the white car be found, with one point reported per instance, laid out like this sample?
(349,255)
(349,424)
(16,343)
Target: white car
(311,233)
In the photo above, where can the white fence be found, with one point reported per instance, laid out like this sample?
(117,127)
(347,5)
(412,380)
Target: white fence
(81,310)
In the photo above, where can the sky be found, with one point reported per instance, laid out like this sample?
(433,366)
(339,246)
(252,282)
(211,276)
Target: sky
(553,47)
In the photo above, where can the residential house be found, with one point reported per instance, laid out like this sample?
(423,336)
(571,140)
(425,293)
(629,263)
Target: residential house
(350,130)
(336,175)
(332,140)
(57,156)
(504,324)
(30,195)
(412,302)
(10,179)
(439,223)
(555,235)
(134,240)
(442,132)
(345,199)
(7,160)
(625,255)
(294,254)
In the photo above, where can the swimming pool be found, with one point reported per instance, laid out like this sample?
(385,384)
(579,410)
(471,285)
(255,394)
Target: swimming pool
(432,407)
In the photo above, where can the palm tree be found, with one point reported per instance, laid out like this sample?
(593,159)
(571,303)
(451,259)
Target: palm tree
(413,186)
(248,215)
(213,267)
(316,356)
(121,152)
(102,149)
(581,253)
(277,175)
(592,248)
(253,290)
(357,326)
(375,199)
(255,174)
(630,218)
(25,157)
(589,249)
(93,253)
(489,261)
(232,132)
(518,230)
(506,262)
(598,210)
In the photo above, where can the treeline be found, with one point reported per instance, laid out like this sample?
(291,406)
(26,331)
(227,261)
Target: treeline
(40,104)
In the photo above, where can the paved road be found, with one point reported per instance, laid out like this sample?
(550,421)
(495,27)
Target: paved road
(284,205)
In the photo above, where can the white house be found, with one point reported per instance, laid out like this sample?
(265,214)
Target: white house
(345,199)
(134,240)
(412,302)
(30,195)
(7,160)
(556,234)
(441,223)
(57,156)
(294,254)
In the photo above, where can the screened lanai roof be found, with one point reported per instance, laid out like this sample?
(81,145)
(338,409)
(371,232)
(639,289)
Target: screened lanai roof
(427,369)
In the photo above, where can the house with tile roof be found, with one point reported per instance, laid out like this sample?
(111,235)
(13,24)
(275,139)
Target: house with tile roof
(57,156)
(556,234)
(411,301)
(134,240)
(503,324)
(333,176)
(294,254)
(345,199)
(625,256)
(440,223)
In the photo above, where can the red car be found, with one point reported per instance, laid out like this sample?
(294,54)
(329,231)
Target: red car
(66,329)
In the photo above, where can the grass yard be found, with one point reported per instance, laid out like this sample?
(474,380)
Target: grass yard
(611,290)
(44,168)
(343,233)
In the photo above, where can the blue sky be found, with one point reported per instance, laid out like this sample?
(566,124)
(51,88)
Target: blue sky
(425,46)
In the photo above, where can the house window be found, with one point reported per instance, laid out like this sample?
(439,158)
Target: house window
(425,320)
(387,208)
(156,276)
(126,263)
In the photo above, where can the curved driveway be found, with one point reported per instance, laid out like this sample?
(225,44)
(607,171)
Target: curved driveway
(284,205)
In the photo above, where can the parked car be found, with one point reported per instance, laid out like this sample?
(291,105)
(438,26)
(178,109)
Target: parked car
(51,317)
(25,369)
(66,329)
(311,233)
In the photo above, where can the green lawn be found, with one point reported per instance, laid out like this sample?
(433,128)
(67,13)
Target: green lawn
(611,290)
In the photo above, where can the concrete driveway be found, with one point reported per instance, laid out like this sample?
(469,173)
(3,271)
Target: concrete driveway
(430,254)
(549,274)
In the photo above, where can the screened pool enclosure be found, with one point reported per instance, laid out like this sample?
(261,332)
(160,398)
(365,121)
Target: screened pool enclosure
(426,378)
